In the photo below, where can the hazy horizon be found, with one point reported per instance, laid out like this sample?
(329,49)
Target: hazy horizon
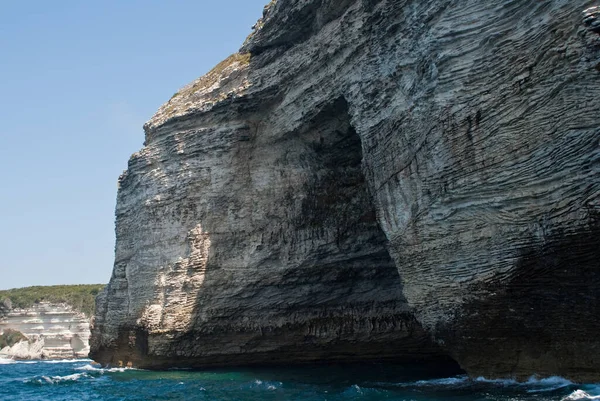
(79,80)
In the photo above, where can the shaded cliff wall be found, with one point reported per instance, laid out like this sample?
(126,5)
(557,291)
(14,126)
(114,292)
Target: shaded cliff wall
(478,131)
(237,247)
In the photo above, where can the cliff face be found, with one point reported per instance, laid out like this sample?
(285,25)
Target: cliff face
(54,332)
(277,198)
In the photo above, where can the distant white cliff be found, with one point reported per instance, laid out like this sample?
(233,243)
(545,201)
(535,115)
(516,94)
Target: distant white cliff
(55,331)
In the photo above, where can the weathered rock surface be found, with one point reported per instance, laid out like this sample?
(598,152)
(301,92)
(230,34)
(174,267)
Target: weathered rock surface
(24,350)
(55,331)
(277,198)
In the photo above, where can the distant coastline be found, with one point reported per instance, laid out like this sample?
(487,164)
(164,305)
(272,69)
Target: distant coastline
(46,322)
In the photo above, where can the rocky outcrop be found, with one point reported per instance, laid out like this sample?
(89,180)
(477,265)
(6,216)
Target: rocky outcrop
(24,350)
(54,331)
(278,197)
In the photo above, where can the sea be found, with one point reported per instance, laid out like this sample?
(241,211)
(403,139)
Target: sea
(83,380)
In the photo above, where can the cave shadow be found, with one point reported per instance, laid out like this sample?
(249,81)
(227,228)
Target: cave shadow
(342,303)
(543,318)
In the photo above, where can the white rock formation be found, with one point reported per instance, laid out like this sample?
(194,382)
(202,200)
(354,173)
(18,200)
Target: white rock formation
(25,349)
(54,332)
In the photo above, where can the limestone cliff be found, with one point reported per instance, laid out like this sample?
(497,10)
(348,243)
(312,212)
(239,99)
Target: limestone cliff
(278,197)
(54,331)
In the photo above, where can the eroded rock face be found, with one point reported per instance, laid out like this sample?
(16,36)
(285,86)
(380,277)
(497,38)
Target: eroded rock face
(54,331)
(278,197)
(231,252)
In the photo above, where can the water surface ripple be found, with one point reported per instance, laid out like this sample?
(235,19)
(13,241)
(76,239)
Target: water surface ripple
(81,380)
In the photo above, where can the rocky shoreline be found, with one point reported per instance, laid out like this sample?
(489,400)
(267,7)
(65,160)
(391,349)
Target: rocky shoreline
(53,331)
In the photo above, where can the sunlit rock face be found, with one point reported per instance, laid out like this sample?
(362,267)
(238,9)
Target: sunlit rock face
(277,198)
(55,331)
(232,253)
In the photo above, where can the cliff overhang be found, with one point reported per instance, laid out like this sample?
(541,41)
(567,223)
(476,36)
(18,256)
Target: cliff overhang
(371,180)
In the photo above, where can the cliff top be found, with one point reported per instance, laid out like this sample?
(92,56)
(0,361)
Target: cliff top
(227,79)
(79,297)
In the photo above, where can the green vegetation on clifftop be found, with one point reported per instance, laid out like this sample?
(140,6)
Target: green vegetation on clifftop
(80,297)
(11,337)
(215,74)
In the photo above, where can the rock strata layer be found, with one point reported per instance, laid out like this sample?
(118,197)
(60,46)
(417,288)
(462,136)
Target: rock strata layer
(53,332)
(278,197)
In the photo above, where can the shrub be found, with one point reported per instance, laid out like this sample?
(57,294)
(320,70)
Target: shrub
(11,337)
(82,298)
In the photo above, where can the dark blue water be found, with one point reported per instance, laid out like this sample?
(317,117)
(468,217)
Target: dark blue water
(80,380)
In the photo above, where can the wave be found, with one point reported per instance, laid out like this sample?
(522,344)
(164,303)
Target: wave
(580,395)
(498,382)
(364,391)
(4,361)
(89,368)
(92,368)
(43,380)
(532,385)
(547,384)
(448,381)
(456,381)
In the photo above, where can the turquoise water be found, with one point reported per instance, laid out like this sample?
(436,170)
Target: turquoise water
(80,380)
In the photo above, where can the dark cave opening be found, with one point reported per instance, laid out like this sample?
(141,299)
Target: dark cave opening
(337,199)
(328,291)
(338,194)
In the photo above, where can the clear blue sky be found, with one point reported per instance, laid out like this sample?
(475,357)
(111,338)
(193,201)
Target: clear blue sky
(77,81)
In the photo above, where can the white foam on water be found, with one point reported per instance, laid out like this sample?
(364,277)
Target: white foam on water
(268,385)
(356,389)
(532,385)
(92,368)
(363,390)
(57,379)
(497,382)
(6,361)
(552,380)
(547,384)
(89,368)
(119,370)
(448,381)
(580,395)
(73,377)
